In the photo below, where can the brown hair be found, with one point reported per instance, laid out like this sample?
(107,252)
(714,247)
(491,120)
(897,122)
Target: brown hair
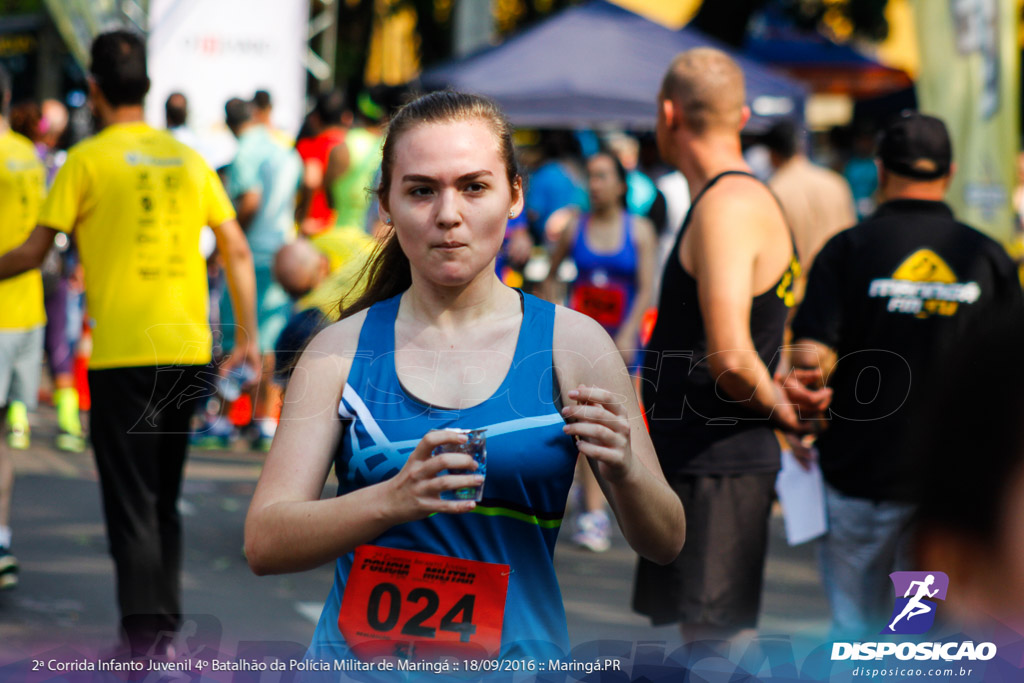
(387,271)
(25,118)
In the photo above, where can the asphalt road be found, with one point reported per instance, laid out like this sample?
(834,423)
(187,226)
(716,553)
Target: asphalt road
(66,591)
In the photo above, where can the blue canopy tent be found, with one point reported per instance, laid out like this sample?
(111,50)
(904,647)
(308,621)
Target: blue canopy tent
(598,64)
(820,63)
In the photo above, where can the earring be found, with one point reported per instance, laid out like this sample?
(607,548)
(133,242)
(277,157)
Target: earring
(387,221)
(511,213)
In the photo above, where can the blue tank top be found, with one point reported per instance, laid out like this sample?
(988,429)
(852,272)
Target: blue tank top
(530,463)
(605,288)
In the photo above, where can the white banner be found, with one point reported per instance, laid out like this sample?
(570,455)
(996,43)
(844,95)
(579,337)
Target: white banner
(213,50)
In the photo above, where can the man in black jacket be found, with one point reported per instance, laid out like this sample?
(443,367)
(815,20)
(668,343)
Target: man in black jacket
(884,301)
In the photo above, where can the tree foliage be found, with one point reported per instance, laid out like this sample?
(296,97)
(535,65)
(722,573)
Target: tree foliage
(727,20)
(854,18)
(13,7)
(355,27)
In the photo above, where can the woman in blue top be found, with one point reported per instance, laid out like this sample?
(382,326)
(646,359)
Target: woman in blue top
(437,342)
(615,254)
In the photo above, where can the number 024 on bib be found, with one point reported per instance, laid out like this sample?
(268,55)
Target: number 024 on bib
(419,605)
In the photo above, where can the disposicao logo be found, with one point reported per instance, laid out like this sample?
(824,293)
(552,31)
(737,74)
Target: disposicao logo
(914,611)
(913,614)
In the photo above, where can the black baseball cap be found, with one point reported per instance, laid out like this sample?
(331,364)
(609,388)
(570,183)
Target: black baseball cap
(917,146)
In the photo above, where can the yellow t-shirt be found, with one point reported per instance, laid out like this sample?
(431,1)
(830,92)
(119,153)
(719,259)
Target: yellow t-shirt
(22,186)
(136,199)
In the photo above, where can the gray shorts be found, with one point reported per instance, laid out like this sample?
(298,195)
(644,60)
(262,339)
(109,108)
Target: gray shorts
(21,357)
(716,580)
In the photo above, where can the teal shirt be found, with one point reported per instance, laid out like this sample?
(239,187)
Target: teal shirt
(264,166)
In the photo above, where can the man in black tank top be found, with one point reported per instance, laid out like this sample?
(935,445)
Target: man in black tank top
(707,373)
(890,297)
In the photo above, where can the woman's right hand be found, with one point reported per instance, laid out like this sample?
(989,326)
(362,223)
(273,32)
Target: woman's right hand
(415,492)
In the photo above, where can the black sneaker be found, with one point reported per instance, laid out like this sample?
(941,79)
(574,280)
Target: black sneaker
(8,569)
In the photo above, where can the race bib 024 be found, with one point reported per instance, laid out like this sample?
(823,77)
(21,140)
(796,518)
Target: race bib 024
(422,606)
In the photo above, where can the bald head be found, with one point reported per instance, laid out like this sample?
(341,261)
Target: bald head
(299,267)
(706,85)
(55,114)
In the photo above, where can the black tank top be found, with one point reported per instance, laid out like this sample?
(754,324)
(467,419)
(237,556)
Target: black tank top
(695,428)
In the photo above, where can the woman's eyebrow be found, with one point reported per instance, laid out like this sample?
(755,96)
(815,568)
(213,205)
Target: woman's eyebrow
(475,175)
(414,178)
(417,178)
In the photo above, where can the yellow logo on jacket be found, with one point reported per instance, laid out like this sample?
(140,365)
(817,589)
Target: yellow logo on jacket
(924,285)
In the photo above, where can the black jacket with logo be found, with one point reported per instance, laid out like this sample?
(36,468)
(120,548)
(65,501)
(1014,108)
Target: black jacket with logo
(892,295)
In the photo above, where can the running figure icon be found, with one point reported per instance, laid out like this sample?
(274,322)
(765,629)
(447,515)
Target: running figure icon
(915,607)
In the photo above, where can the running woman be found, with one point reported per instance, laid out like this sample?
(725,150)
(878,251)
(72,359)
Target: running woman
(436,342)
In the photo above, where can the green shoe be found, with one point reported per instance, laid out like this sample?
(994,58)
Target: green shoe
(68,419)
(17,418)
(8,569)
(18,439)
(72,443)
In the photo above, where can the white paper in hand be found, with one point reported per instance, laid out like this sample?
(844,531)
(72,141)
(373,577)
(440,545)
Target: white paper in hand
(802,496)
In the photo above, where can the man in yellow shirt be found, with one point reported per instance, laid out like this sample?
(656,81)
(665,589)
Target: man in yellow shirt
(22,316)
(136,200)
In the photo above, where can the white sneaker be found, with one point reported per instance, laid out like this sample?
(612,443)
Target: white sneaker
(593,531)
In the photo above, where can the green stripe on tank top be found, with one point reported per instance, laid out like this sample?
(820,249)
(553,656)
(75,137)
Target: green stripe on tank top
(515,514)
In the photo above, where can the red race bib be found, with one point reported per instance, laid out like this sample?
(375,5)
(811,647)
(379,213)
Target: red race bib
(421,606)
(606,305)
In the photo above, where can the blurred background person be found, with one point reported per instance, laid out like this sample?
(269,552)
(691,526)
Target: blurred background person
(44,125)
(615,254)
(328,125)
(516,251)
(885,300)
(53,128)
(263,114)
(707,383)
(22,316)
(860,170)
(557,182)
(262,181)
(352,166)
(22,119)
(816,201)
(176,119)
(305,273)
(63,285)
(642,194)
(353,163)
(136,199)
(970,510)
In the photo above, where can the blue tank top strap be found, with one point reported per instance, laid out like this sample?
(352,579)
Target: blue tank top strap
(579,245)
(377,336)
(538,327)
(628,244)
(376,341)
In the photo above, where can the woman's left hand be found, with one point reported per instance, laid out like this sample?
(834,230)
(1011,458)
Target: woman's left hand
(599,423)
